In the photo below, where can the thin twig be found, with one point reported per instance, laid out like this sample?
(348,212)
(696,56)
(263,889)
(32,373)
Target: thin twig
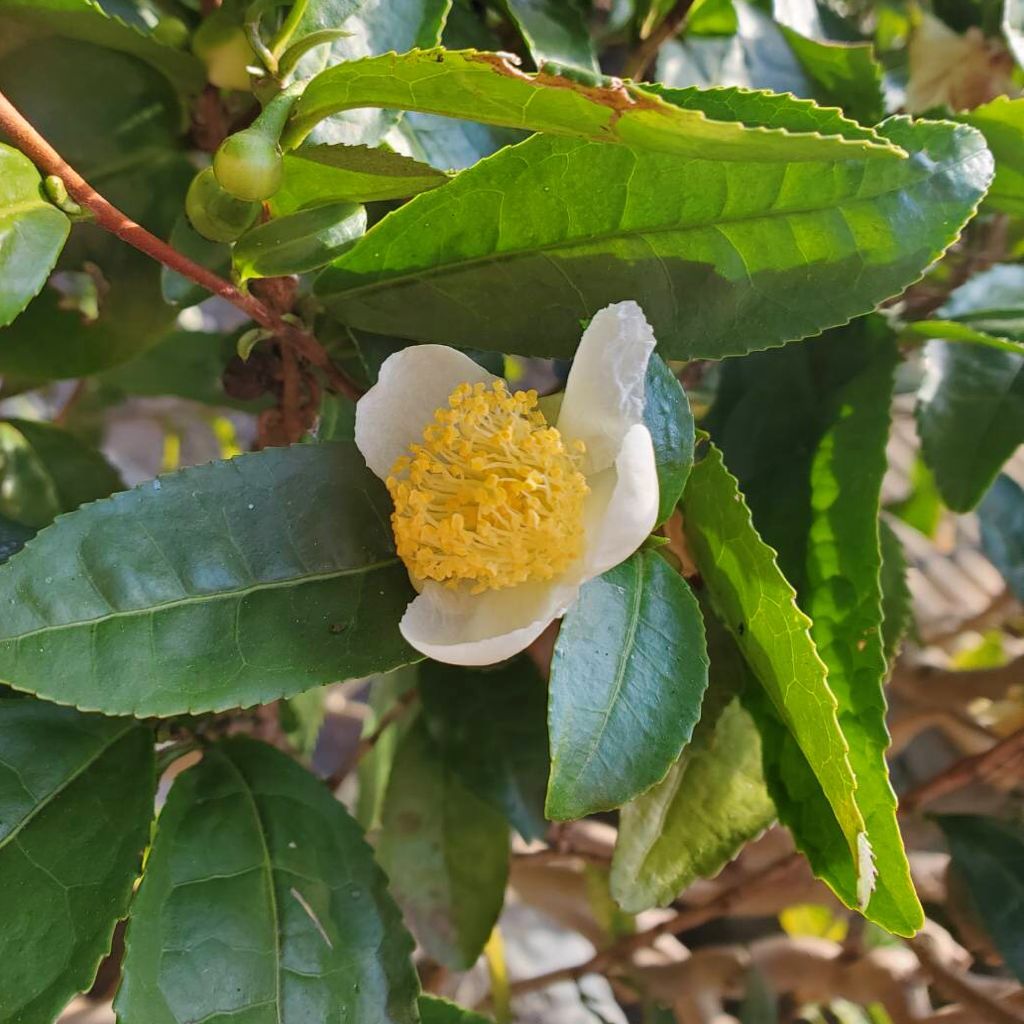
(685,919)
(647,49)
(367,743)
(1006,756)
(111,219)
(958,988)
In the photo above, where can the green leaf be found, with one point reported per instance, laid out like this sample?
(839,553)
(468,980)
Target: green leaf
(746,255)
(989,855)
(812,473)
(262,902)
(491,729)
(1001,514)
(554,30)
(299,242)
(76,800)
(970,410)
(434,1010)
(228,584)
(85,20)
(1002,124)
(445,852)
(627,679)
(32,233)
(215,256)
(487,87)
(710,804)
(302,717)
(375,28)
(897,607)
(323,174)
(668,417)
(758,606)
(13,537)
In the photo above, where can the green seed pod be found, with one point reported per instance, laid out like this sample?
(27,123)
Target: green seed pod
(221,44)
(249,165)
(216,214)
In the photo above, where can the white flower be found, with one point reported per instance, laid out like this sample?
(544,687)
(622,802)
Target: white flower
(499,517)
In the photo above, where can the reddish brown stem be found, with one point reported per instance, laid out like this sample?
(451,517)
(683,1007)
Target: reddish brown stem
(111,219)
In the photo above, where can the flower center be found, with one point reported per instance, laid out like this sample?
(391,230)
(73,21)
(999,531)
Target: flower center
(493,496)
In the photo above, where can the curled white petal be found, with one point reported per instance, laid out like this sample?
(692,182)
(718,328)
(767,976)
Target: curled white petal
(622,507)
(412,384)
(604,395)
(481,629)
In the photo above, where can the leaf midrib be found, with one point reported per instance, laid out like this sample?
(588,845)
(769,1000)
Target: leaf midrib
(221,595)
(48,799)
(500,257)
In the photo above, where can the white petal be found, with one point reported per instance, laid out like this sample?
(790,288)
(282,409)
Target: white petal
(604,395)
(622,507)
(482,629)
(412,384)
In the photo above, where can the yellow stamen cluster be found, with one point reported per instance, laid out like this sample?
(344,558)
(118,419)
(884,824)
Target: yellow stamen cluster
(493,497)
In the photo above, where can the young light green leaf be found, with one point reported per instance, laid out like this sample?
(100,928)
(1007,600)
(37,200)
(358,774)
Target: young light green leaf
(712,801)
(491,728)
(1001,514)
(32,233)
(668,417)
(299,242)
(1002,124)
(724,257)
(359,174)
(73,825)
(215,256)
(554,30)
(487,87)
(989,855)
(261,901)
(970,411)
(227,584)
(758,606)
(434,1010)
(447,870)
(627,679)
(823,449)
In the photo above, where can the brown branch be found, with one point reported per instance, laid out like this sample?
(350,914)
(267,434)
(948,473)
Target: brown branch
(111,219)
(647,49)
(958,988)
(1007,756)
(683,920)
(937,687)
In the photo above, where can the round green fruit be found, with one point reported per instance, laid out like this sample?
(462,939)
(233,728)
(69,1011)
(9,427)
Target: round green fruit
(221,44)
(249,165)
(216,214)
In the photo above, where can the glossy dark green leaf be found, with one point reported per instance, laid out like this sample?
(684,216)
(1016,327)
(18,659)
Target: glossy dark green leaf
(668,417)
(86,21)
(627,679)
(445,852)
(76,800)
(1002,124)
(215,256)
(262,902)
(812,473)
(989,855)
(745,256)
(13,537)
(554,30)
(486,87)
(970,411)
(228,584)
(712,801)
(359,174)
(491,728)
(758,606)
(299,242)
(32,233)
(375,28)
(434,1010)
(1001,514)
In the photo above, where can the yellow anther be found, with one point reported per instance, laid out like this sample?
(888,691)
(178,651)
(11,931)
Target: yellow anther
(492,497)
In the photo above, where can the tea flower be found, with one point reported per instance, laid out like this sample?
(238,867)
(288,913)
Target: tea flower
(499,516)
